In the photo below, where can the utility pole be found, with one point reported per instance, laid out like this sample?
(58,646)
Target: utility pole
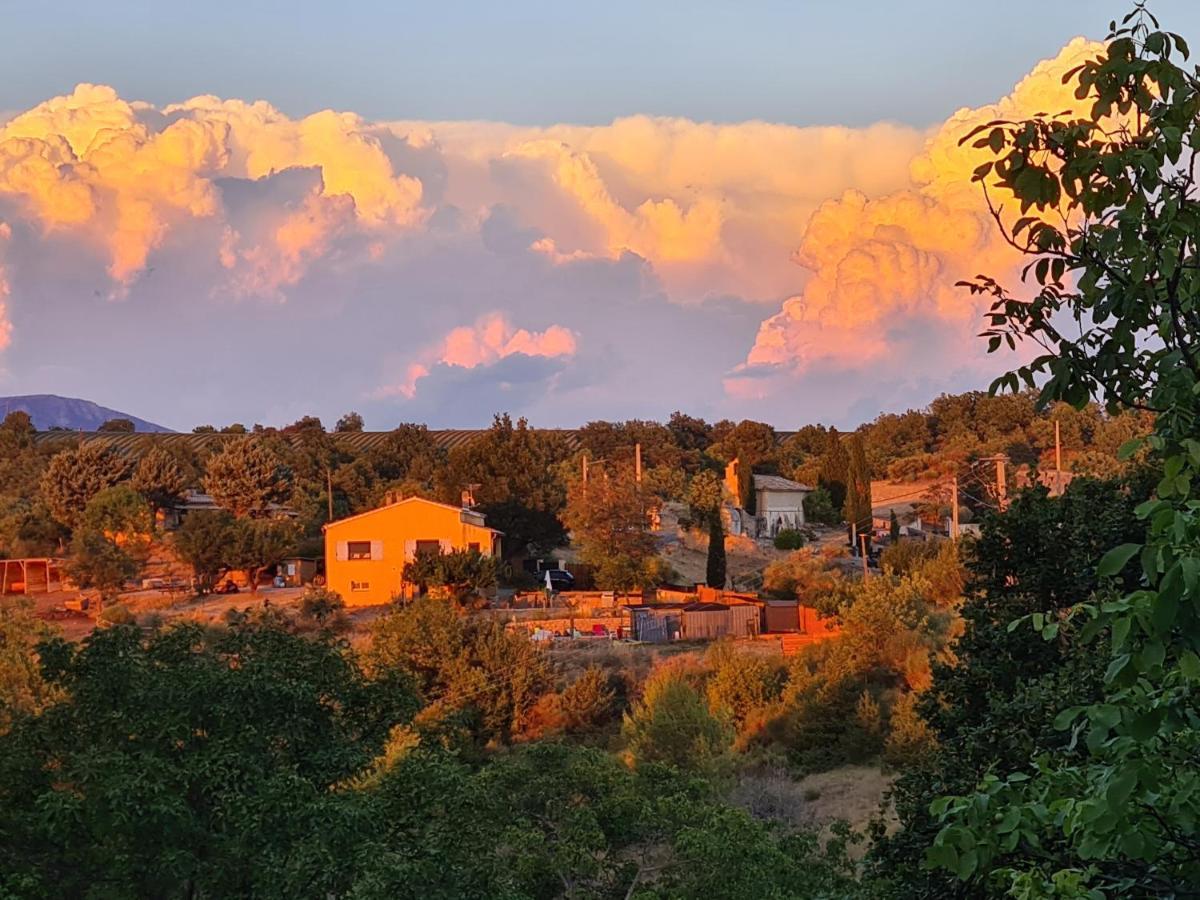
(954,509)
(637,462)
(585,468)
(862,538)
(1001,486)
(329,490)
(1058,486)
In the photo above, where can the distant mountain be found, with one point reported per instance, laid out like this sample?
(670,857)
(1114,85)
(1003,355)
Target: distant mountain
(51,411)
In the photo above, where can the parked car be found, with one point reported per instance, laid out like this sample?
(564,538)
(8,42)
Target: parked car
(560,579)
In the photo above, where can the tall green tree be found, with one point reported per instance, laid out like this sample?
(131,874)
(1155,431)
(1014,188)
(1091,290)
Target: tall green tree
(1109,216)
(609,518)
(73,477)
(205,541)
(159,478)
(856,510)
(835,469)
(246,477)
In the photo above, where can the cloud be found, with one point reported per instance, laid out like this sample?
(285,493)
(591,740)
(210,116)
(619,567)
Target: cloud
(491,339)
(727,269)
(882,290)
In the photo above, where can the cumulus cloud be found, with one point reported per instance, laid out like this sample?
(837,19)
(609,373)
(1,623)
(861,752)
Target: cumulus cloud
(653,244)
(884,267)
(489,340)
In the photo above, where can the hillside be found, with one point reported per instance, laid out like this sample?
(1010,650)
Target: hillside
(51,411)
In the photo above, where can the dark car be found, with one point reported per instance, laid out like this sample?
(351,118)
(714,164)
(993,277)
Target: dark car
(560,579)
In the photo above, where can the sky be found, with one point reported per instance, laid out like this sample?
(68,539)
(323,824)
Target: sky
(256,211)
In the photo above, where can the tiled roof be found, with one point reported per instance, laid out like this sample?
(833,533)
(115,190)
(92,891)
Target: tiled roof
(778,483)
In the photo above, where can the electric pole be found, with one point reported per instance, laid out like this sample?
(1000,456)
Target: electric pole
(1001,484)
(862,537)
(329,490)
(637,462)
(1058,486)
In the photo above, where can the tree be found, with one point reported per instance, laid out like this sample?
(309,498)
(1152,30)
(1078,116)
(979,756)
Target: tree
(73,477)
(201,763)
(609,520)
(519,489)
(320,604)
(1111,245)
(247,478)
(118,426)
(672,724)
(159,478)
(835,469)
(472,669)
(714,567)
(23,690)
(464,575)
(99,562)
(857,508)
(204,541)
(351,421)
(259,544)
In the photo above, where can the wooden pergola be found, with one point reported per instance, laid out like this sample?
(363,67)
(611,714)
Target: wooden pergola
(31,575)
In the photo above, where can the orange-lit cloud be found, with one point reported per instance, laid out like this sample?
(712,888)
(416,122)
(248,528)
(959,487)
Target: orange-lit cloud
(5,326)
(491,339)
(884,267)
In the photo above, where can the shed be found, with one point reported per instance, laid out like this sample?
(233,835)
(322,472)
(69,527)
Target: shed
(708,621)
(297,571)
(656,624)
(28,576)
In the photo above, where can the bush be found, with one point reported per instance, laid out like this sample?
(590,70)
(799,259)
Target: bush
(790,539)
(320,603)
(116,614)
(819,508)
(673,725)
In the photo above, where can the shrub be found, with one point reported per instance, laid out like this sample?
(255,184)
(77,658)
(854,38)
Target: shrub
(790,539)
(116,614)
(819,508)
(320,603)
(672,724)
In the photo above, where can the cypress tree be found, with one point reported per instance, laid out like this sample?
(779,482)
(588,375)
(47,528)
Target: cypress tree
(714,574)
(835,467)
(857,507)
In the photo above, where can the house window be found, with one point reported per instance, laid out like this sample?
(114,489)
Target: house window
(360,585)
(473,547)
(358,550)
(431,547)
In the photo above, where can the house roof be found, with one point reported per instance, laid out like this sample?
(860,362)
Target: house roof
(778,483)
(458,509)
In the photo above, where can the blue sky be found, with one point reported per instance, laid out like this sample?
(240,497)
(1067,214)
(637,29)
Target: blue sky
(563,210)
(797,62)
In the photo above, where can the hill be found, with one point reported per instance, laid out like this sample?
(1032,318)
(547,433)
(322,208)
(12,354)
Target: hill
(51,411)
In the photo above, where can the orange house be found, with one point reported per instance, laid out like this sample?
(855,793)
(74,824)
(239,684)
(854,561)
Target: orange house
(365,554)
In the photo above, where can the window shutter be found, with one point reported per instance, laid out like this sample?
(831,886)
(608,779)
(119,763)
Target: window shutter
(340,552)
(410,551)
(446,545)
(376,549)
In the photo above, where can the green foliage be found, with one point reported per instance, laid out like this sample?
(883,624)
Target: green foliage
(856,509)
(835,470)
(98,562)
(259,544)
(1118,807)
(200,763)
(111,540)
(467,669)
(159,478)
(609,518)
(819,508)
(23,691)
(73,477)
(589,702)
(246,478)
(714,568)
(743,684)
(464,575)
(204,541)
(672,724)
(351,421)
(519,490)
(320,603)
(790,539)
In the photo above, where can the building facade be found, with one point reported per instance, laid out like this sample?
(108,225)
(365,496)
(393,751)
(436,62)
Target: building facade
(365,554)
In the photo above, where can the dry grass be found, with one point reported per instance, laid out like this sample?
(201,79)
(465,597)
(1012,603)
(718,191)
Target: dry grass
(851,794)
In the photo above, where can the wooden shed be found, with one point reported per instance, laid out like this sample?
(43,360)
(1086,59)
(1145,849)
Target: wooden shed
(297,571)
(709,621)
(656,624)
